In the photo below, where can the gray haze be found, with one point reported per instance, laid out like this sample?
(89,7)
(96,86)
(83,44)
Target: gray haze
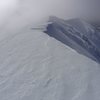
(15,14)
(41,8)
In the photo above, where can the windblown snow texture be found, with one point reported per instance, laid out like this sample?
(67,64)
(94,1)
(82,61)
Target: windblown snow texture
(77,34)
(34,66)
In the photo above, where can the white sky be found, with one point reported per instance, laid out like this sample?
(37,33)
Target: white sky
(15,14)
(41,8)
(36,8)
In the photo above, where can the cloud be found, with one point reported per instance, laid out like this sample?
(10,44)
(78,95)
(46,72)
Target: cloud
(6,8)
(15,14)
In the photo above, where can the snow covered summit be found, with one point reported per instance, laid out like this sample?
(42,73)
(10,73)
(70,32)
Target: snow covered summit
(77,34)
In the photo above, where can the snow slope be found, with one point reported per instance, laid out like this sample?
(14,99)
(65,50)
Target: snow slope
(77,34)
(34,66)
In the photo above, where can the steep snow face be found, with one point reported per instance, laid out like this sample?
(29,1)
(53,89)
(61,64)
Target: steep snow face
(77,34)
(34,66)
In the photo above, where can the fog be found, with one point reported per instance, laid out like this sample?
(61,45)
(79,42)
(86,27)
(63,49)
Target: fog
(15,14)
(42,8)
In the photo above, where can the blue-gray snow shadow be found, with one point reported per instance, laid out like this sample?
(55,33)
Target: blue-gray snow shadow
(77,34)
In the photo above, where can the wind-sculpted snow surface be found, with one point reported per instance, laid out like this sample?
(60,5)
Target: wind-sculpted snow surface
(34,66)
(77,34)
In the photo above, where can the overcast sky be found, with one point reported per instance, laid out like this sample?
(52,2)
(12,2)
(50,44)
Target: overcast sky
(41,8)
(14,14)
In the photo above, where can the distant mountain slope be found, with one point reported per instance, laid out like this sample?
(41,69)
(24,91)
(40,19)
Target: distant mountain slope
(77,34)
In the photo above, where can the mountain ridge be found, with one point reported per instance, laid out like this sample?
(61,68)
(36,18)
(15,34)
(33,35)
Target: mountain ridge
(77,34)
